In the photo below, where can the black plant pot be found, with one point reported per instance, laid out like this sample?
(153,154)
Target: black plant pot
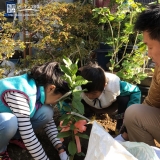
(101,55)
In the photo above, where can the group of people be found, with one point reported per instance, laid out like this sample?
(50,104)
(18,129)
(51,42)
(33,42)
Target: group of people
(26,100)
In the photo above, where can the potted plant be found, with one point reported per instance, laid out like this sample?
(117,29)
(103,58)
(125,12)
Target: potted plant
(101,55)
(120,36)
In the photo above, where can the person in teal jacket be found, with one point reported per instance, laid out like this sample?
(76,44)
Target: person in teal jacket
(104,89)
(26,105)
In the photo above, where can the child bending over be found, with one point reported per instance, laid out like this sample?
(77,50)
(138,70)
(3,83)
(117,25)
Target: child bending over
(104,89)
(26,104)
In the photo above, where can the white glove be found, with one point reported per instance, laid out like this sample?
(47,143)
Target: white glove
(64,156)
(119,138)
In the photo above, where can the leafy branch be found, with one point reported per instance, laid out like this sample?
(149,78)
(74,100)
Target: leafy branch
(73,123)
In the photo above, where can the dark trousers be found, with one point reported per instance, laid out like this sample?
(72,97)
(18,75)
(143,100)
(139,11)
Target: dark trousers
(122,106)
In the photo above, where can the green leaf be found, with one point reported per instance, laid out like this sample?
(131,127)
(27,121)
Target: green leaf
(103,20)
(65,116)
(76,95)
(80,82)
(77,118)
(111,17)
(72,127)
(73,68)
(78,78)
(66,70)
(64,134)
(82,135)
(65,122)
(81,154)
(67,61)
(68,79)
(67,109)
(72,148)
(79,106)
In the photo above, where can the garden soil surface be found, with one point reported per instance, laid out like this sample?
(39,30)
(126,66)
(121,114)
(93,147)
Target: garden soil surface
(17,153)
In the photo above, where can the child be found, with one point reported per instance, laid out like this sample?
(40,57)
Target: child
(26,104)
(105,88)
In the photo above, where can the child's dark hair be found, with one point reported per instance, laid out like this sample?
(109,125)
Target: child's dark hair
(49,73)
(94,73)
(149,20)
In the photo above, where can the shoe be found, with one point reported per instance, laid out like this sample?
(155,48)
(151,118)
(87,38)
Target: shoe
(18,142)
(4,156)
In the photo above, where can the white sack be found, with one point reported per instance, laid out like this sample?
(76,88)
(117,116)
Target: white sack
(102,146)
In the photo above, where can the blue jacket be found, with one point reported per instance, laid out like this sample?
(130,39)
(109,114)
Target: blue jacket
(127,89)
(26,86)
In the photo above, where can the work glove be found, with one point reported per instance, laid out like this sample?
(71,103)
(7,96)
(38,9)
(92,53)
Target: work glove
(64,156)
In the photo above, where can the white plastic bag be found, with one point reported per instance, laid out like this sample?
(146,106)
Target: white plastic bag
(140,150)
(102,146)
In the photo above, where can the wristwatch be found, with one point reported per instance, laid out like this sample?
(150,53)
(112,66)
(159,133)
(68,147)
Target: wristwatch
(61,147)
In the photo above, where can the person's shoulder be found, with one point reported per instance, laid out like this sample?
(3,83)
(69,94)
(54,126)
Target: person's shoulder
(111,75)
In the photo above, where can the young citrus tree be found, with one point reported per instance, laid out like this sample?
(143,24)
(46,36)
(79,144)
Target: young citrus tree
(73,122)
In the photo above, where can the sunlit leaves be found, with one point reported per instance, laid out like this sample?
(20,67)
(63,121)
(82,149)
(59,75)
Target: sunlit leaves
(59,27)
(118,28)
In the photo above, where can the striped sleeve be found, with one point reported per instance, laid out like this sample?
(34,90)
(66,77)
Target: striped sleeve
(51,130)
(18,103)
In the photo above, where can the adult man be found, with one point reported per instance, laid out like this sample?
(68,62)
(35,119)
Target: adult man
(143,120)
